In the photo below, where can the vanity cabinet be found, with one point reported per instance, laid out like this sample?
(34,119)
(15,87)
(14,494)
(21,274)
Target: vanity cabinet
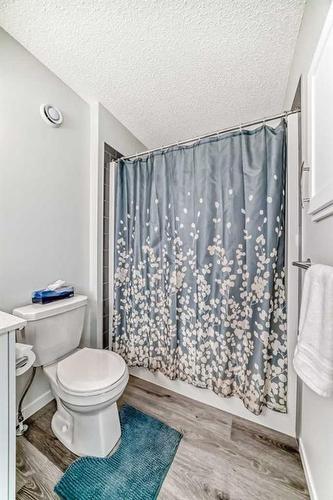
(8,326)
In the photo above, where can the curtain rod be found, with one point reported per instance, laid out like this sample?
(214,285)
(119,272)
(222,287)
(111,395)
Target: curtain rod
(224,130)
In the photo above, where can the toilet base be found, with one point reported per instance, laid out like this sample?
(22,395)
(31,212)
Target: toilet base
(87,432)
(87,424)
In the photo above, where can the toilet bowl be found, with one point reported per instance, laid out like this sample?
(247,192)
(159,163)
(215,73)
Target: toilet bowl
(86,383)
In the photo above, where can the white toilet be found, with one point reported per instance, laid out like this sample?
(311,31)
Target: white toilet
(85,382)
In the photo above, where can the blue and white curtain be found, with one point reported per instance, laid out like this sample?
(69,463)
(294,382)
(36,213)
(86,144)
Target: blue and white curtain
(199,265)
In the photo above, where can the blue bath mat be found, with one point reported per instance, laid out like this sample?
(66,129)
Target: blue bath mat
(134,472)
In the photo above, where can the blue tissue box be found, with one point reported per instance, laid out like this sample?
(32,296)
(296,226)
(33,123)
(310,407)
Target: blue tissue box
(45,296)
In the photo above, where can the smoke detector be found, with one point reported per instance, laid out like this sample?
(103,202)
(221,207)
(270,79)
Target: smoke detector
(51,115)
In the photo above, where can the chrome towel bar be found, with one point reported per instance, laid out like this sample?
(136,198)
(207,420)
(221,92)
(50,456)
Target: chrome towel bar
(303,265)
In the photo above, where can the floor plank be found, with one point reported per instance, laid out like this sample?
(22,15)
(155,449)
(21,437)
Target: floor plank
(220,456)
(40,434)
(36,474)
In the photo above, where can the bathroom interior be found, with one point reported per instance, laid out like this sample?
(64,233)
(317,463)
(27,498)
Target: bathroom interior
(166,289)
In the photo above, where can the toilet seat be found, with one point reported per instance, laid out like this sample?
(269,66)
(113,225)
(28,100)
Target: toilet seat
(90,371)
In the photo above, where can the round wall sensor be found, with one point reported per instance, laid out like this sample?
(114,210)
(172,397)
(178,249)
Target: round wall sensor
(51,115)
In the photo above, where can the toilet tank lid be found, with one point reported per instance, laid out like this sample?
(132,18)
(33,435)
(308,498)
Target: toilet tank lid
(33,312)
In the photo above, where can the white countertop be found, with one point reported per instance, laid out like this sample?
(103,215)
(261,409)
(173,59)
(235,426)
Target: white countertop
(8,323)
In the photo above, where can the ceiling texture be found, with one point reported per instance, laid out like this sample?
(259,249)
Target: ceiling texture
(167,69)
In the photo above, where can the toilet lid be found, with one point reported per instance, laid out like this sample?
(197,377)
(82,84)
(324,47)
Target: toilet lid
(90,370)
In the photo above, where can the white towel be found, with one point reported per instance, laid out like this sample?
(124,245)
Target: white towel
(313,359)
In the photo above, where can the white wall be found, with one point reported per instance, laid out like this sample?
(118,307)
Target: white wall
(104,128)
(44,184)
(44,180)
(50,190)
(316,413)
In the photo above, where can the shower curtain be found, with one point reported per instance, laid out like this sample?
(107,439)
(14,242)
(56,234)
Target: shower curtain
(199,265)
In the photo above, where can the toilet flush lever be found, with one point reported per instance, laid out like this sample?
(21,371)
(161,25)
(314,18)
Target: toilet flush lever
(20,335)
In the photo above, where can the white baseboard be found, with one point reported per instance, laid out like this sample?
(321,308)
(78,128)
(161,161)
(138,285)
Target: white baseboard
(307,471)
(37,404)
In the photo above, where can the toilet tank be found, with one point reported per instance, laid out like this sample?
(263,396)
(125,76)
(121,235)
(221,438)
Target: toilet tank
(54,329)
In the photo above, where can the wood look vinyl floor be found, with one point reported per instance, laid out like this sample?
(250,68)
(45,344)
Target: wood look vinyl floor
(220,457)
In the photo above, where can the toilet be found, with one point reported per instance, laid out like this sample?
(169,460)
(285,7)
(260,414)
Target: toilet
(86,383)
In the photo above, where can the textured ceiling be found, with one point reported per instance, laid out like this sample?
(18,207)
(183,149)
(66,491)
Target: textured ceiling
(167,69)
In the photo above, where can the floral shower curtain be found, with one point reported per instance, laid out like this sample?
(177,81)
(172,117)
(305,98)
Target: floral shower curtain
(199,265)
